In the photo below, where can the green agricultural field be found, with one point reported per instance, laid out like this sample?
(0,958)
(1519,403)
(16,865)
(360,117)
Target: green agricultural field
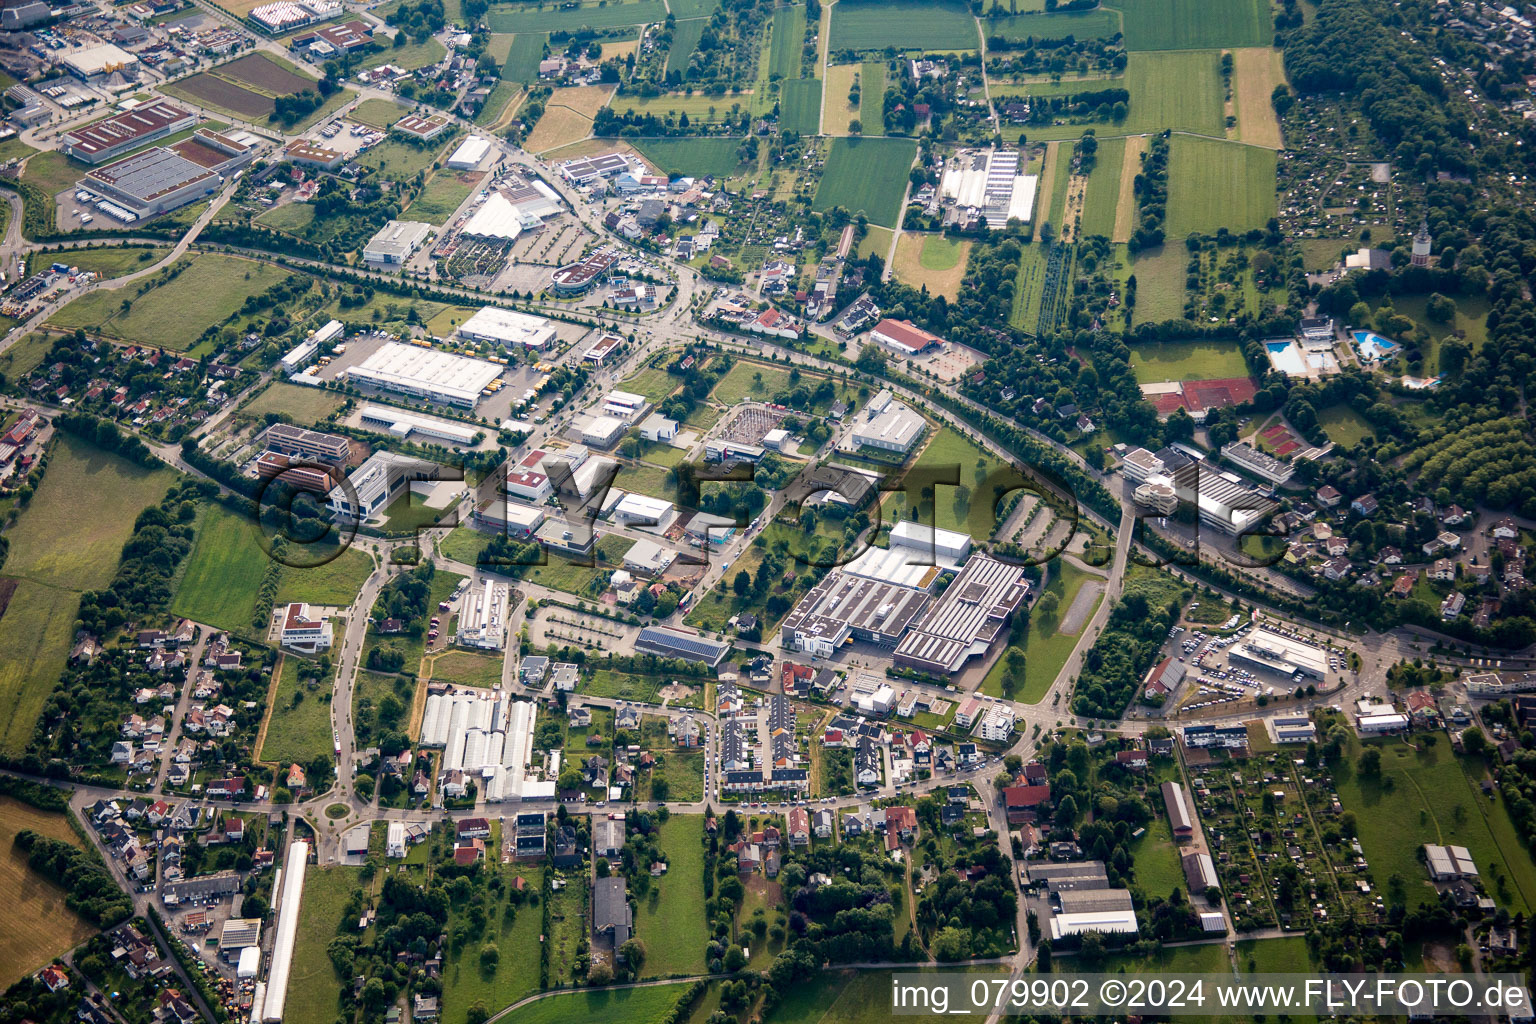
(71,535)
(1178,89)
(800,106)
(1103,193)
(685,39)
(305,406)
(683,9)
(378,113)
(1288,955)
(872,97)
(868,175)
(1190,24)
(36,627)
(444,192)
(1432,800)
(110,263)
(692,156)
(647,1005)
(865,25)
(523,58)
(600,14)
(314,992)
(516,934)
(1343,425)
(468,668)
(1214,184)
(210,288)
(1187,360)
(324,576)
(1095,24)
(219,585)
(299,722)
(1160,278)
(670,919)
(788,39)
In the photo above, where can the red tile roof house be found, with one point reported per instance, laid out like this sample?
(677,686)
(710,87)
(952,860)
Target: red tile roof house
(1022,803)
(470,853)
(799,827)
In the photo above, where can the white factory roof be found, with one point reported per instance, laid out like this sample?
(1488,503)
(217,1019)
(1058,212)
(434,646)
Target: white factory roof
(496,218)
(426,371)
(508,327)
(401,424)
(643,506)
(93,60)
(1272,646)
(396,240)
(470,152)
(1109,922)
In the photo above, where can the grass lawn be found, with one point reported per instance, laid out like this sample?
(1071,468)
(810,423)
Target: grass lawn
(748,380)
(619,685)
(669,919)
(601,1006)
(409,57)
(305,406)
(650,480)
(227,549)
(523,56)
(1424,796)
(211,287)
(516,934)
(407,514)
(1094,24)
(872,97)
(314,992)
(1160,278)
(40,926)
(378,113)
(71,535)
(868,175)
(567,929)
(441,196)
(652,382)
(321,579)
(25,355)
(694,156)
(297,731)
(1187,24)
(399,160)
(561,574)
(1343,425)
(113,262)
(945,451)
(1156,859)
(685,39)
(1274,956)
(1187,360)
(865,25)
(788,38)
(464,544)
(468,668)
(35,633)
(683,771)
(1214,184)
(1045,649)
(1103,194)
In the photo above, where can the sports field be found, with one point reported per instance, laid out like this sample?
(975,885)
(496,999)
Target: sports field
(685,39)
(1102,199)
(868,175)
(171,316)
(1155,362)
(788,39)
(800,106)
(1215,185)
(36,627)
(1095,24)
(1190,24)
(38,925)
(72,533)
(568,115)
(600,14)
(523,57)
(691,156)
(931,261)
(1256,70)
(865,25)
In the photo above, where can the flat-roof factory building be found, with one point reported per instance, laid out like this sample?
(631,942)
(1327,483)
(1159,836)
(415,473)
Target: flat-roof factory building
(469,154)
(966,619)
(918,555)
(508,328)
(483,616)
(889,425)
(403,425)
(843,606)
(424,128)
(1280,654)
(153,182)
(396,241)
(426,373)
(112,136)
(92,62)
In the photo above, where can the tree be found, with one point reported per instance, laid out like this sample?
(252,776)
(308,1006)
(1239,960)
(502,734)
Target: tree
(1440,308)
(951,943)
(1047,605)
(855,127)
(1370,763)
(632,953)
(742,584)
(490,956)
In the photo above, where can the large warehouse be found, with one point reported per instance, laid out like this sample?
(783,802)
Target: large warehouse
(153,182)
(964,621)
(396,241)
(92,62)
(426,373)
(403,425)
(113,136)
(889,425)
(508,328)
(917,557)
(469,154)
(289,901)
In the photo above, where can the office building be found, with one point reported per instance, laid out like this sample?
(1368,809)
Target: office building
(373,485)
(305,631)
(669,642)
(309,445)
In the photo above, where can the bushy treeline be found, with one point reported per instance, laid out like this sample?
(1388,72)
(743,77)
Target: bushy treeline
(89,888)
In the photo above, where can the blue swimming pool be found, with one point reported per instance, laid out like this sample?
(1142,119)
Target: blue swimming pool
(1373,346)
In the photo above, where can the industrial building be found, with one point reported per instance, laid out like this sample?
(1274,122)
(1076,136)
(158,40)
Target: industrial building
(509,517)
(308,154)
(1449,863)
(150,183)
(842,607)
(90,63)
(373,485)
(396,241)
(604,432)
(398,423)
(508,328)
(1094,901)
(1290,729)
(669,642)
(1272,652)
(1246,456)
(647,558)
(469,154)
(988,182)
(918,555)
(483,616)
(587,170)
(1072,876)
(1108,922)
(510,209)
(486,734)
(966,619)
(423,128)
(889,425)
(1225,502)
(288,903)
(113,136)
(1199,873)
(426,373)
(285,16)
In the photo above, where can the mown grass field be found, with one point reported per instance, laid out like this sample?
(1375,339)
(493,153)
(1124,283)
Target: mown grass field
(35,633)
(1102,198)
(442,195)
(788,39)
(172,315)
(1343,425)
(670,918)
(1433,800)
(1178,89)
(399,160)
(872,97)
(409,57)
(1215,185)
(685,39)
(1192,24)
(868,175)
(1160,280)
(306,406)
(377,113)
(114,262)
(1256,72)
(800,106)
(38,925)
(468,668)
(600,14)
(949,450)
(1187,360)
(1156,860)
(866,25)
(692,156)
(1046,649)
(839,112)
(72,533)
(647,1005)
(522,64)
(568,115)
(219,585)
(1095,24)
(931,261)
(314,992)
